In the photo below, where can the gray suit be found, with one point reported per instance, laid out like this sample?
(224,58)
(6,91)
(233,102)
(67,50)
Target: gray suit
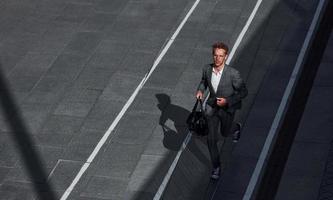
(231,87)
(220,119)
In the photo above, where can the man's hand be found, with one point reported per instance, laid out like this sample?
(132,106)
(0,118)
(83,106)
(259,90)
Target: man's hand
(221,102)
(199,95)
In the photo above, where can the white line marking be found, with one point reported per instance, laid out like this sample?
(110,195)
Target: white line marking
(167,177)
(126,106)
(244,30)
(240,37)
(272,132)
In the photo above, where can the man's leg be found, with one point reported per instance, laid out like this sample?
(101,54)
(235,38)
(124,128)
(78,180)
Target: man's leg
(236,131)
(236,127)
(227,122)
(212,139)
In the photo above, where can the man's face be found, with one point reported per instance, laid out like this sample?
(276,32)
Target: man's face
(219,56)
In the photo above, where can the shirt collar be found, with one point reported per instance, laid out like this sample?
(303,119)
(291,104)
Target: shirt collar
(217,71)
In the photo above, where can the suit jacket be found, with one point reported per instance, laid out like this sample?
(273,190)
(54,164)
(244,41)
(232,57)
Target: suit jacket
(231,87)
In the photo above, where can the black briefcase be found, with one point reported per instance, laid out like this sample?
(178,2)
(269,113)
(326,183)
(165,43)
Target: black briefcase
(196,121)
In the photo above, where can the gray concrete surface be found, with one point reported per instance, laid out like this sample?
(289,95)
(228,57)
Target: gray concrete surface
(308,172)
(266,59)
(71,65)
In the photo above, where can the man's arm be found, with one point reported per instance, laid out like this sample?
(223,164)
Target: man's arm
(239,87)
(202,85)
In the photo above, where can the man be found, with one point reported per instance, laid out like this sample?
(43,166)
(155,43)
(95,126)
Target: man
(227,89)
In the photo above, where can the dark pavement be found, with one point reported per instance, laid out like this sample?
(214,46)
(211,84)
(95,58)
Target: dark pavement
(68,68)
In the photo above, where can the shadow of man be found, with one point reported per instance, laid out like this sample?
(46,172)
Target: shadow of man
(173,115)
(177,115)
(173,123)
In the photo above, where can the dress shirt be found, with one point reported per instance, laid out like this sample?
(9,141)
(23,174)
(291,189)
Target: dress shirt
(216,77)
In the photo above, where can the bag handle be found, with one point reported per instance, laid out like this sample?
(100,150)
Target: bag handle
(196,105)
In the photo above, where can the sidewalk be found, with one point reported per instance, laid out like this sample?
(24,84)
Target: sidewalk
(308,172)
(274,47)
(71,66)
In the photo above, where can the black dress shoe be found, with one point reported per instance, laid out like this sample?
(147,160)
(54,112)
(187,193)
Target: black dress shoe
(216,173)
(237,133)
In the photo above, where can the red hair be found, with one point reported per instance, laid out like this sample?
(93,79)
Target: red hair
(220,45)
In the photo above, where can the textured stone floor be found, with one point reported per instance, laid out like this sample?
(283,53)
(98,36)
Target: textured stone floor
(68,67)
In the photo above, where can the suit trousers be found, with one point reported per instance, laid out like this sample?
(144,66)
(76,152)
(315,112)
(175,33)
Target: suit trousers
(220,122)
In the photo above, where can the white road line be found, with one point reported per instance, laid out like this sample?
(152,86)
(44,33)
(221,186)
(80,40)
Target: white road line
(240,37)
(244,30)
(167,177)
(126,106)
(272,133)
